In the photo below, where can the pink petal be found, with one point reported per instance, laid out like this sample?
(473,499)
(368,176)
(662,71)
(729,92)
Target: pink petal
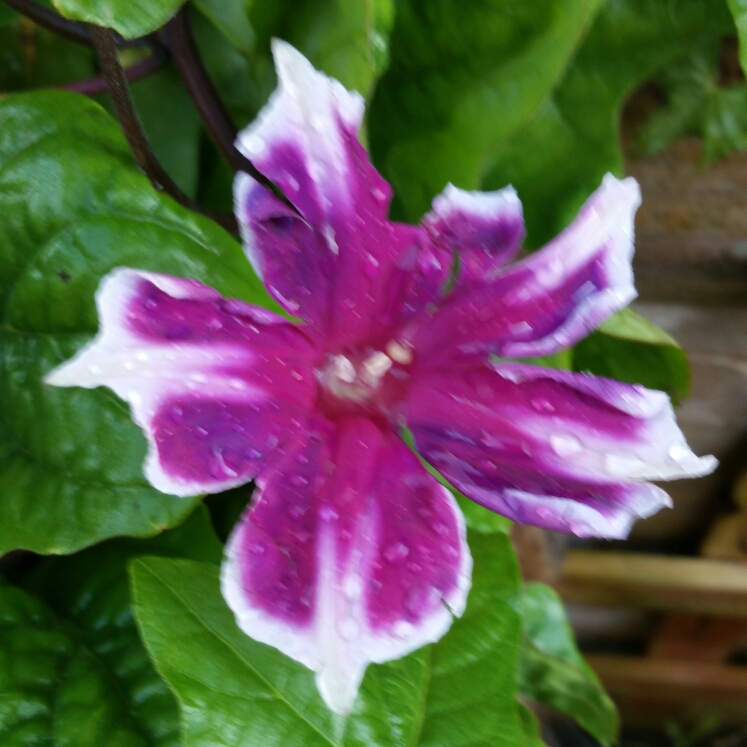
(342,265)
(215,383)
(352,553)
(554,297)
(562,450)
(485,229)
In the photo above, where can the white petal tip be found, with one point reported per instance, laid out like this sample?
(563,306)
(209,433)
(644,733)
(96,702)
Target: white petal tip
(627,188)
(339,687)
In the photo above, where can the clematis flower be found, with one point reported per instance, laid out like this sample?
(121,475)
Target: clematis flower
(351,551)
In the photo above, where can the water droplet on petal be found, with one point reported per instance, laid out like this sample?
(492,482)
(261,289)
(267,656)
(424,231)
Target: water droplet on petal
(542,405)
(396,553)
(328,513)
(678,452)
(404,630)
(349,629)
(564,444)
(298,481)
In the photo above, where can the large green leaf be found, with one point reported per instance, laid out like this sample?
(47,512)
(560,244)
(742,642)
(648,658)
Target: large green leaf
(463,78)
(629,348)
(132,18)
(72,207)
(235,691)
(231,18)
(558,159)
(739,11)
(72,668)
(172,124)
(553,671)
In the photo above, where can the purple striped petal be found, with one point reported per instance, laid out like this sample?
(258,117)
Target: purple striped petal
(554,297)
(485,229)
(215,383)
(352,553)
(562,450)
(341,265)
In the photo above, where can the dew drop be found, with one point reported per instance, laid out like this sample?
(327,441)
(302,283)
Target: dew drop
(298,481)
(542,405)
(353,587)
(349,629)
(396,553)
(404,630)
(678,452)
(327,513)
(564,444)
(296,512)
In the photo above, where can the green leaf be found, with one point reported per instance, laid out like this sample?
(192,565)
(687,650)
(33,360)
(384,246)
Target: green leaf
(464,78)
(242,693)
(72,207)
(556,161)
(697,105)
(172,124)
(73,671)
(552,670)
(629,348)
(132,18)
(738,9)
(7,14)
(530,726)
(231,19)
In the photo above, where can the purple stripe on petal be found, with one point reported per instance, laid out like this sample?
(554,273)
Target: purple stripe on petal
(344,267)
(484,228)
(559,449)
(352,553)
(292,259)
(215,383)
(554,297)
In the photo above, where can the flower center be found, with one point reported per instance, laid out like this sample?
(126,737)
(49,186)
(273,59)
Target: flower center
(363,378)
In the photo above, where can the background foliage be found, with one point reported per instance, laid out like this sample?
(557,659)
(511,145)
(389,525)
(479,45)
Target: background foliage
(481,94)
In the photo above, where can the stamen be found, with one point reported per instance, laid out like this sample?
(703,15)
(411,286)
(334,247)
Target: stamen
(399,352)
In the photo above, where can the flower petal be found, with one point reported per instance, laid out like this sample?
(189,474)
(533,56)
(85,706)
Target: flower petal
(484,228)
(562,450)
(343,256)
(214,383)
(554,297)
(352,553)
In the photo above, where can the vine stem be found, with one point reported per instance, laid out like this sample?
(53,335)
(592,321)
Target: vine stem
(138,71)
(132,128)
(177,36)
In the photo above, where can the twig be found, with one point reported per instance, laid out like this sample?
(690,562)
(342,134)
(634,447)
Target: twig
(145,158)
(94,86)
(72,30)
(177,36)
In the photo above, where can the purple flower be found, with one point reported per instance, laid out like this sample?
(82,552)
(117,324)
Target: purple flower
(352,552)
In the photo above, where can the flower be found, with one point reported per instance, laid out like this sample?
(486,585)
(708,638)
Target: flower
(352,552)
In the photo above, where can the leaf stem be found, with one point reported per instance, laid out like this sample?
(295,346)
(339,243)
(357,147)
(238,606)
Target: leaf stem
(142,69)
(124,107)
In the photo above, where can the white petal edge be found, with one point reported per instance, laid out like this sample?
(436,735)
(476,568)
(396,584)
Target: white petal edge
(609,213)
(304,110)
(340,664)
(483,204)
(143,373)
